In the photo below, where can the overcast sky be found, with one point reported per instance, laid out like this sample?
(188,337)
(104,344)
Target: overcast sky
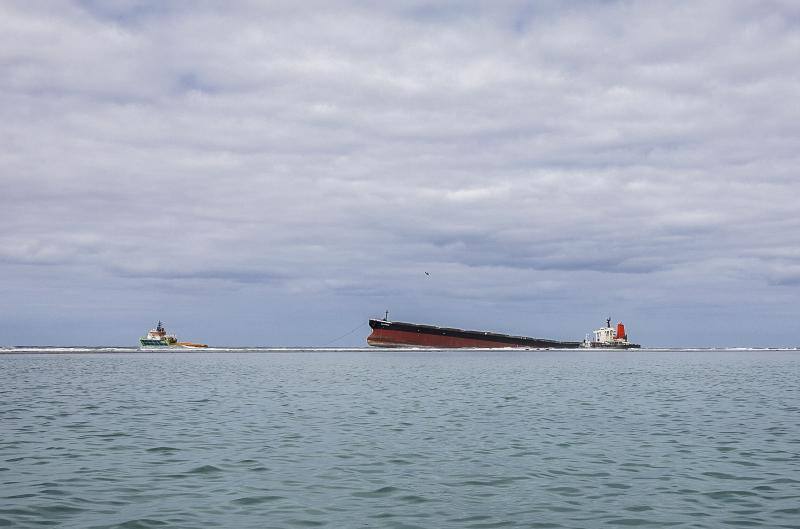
(274,173)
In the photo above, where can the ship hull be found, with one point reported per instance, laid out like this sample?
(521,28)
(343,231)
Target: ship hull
(602,345)
(400,334)
(153,343)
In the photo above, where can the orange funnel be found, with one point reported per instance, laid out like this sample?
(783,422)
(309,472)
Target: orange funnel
(621,331)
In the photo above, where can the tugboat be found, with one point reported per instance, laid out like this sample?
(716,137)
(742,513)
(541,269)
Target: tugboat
(158,337)
(605,337)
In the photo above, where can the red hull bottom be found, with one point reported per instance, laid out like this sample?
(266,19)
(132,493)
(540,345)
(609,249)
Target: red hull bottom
(395,338)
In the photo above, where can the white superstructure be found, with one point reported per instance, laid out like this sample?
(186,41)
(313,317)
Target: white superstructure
(604,335)
(610,337)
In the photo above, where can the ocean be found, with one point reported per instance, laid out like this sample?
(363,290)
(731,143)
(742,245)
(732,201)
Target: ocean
(100,438)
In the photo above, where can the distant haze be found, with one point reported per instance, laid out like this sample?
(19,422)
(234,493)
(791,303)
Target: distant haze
(274,173)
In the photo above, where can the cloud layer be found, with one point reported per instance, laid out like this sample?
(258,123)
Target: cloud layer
(244,167)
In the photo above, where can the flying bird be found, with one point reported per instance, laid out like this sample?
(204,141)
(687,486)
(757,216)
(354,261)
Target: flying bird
(427,273)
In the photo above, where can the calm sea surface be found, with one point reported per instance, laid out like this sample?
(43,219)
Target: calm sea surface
(349,439)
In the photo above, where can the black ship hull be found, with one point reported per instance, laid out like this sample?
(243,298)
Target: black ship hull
(401,334)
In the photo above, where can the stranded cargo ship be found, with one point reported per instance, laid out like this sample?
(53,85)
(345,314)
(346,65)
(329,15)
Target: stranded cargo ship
(607,338)
(387,333)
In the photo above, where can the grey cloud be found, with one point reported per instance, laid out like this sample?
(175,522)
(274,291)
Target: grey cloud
(235,275)
(335,150)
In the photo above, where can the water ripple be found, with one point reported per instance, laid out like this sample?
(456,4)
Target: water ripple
(426,439)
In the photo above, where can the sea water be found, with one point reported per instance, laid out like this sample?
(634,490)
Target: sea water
(398,439)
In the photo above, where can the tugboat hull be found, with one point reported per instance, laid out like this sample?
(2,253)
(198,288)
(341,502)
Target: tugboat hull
(153,343)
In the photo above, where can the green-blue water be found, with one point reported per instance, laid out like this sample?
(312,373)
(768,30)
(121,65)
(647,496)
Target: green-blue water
(349,439)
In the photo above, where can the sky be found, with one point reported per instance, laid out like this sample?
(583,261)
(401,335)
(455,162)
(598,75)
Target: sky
(275,173)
